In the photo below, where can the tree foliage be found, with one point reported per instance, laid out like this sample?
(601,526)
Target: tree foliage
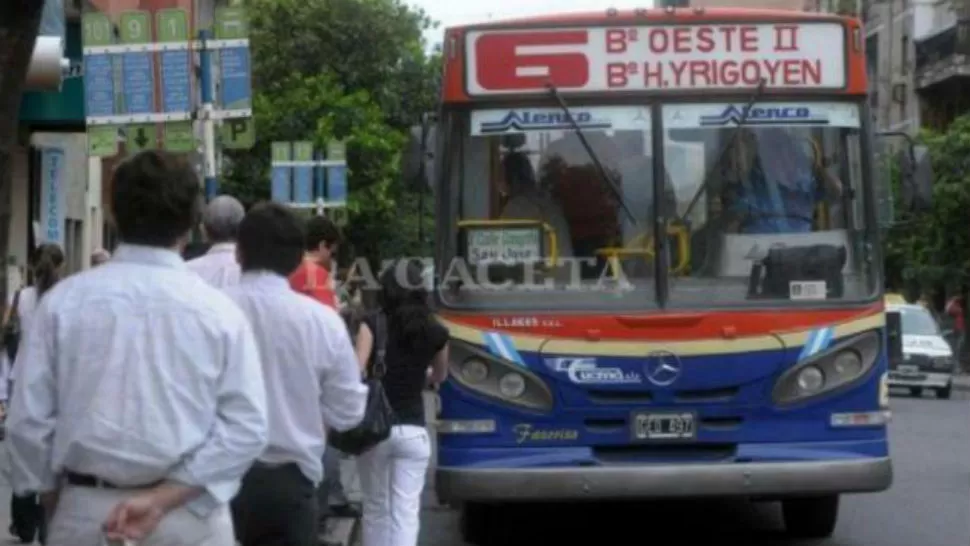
(932,248)
(352,70)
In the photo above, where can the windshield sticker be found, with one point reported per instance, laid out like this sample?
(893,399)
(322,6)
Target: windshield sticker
(523,120)
(768,114)
(502,346)
(585,371)
(771,115)
(818,340)
(807,290)
(504,246)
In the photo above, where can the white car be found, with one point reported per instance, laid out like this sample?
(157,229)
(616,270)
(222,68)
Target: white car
(928,361)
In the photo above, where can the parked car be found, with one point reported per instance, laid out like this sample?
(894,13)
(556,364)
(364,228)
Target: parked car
(928,359)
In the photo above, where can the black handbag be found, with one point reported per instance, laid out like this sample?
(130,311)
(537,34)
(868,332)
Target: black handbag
(379,417)
(11,330)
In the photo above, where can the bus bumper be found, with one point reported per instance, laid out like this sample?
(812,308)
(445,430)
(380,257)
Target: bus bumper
(767,479)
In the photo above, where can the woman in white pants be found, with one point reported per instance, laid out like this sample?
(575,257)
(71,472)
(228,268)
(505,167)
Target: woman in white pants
(392,474)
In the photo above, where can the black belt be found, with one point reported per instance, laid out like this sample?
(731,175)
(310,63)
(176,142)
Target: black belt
(86,480)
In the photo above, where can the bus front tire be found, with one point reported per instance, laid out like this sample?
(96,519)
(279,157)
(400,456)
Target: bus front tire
(812,517)
(474,521)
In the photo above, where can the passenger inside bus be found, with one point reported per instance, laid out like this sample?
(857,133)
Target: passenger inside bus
(590,208)
(527,201)
(773,185)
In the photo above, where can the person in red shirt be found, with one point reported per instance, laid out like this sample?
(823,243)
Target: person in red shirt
(313,277)
(954,308)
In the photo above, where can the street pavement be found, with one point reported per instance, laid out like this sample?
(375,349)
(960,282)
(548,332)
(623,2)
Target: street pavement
(928,504)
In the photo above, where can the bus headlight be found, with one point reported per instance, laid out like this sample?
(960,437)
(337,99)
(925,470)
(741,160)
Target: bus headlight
(474,370)
(810,380)
(842,366)
(509,383)
(847,364)
(512,385)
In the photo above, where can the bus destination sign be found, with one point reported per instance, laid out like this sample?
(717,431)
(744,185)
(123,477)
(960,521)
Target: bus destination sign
(657,58)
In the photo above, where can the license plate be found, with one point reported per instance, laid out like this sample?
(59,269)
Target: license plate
(908,370)
(664,426)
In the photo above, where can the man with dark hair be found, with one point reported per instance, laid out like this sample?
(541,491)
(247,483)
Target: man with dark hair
(314,277)
(312,380)
(220,223)
(140,418)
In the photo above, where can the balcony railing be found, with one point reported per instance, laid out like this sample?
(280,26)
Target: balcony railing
(943,55)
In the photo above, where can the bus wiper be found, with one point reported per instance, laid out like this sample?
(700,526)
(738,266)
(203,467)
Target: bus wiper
(603,174)
(727,146)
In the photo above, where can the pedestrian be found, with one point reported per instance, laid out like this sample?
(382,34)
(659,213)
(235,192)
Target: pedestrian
(312,381)
(139,399)
(47,268)
(954,308)
(392,473)
(315,276)
(100,257)
(220,223)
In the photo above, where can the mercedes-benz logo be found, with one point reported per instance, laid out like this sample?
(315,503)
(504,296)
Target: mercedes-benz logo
(662,368)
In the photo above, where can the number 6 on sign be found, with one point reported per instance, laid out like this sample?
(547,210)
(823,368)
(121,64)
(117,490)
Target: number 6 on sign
(518,61)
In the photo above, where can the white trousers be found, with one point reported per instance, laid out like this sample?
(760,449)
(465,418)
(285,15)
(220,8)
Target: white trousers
(81,511)
(392,477)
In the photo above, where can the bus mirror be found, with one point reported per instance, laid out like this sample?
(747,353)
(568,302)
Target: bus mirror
(417,160)
(916,178)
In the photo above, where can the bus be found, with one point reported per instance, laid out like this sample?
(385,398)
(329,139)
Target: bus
(629,320)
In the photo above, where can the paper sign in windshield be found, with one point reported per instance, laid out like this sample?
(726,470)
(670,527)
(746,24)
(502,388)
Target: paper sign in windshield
(504,246)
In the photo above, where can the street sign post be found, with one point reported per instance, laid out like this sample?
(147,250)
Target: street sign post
(139,75)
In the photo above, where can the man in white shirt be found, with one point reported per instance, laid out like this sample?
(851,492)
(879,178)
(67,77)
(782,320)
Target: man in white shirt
(220,223)
(312,382)
(139,400)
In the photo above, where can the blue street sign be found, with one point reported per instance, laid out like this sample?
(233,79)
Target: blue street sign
(303,174)
(280,177)
(337,185)
(319,179)
(280,188)
(99,85)
(138,68)
(176,83)
(139,83)
(236,85)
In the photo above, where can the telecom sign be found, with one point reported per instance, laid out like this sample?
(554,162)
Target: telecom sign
(808,55)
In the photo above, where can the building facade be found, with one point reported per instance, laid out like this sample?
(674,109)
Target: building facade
(942,62)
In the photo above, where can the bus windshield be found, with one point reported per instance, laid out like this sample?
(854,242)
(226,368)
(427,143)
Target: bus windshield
(767,212)
(780,208)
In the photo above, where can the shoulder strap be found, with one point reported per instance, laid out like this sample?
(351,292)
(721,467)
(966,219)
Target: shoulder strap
(380,344)
(12,310)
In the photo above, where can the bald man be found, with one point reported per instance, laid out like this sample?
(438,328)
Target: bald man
(220,223)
